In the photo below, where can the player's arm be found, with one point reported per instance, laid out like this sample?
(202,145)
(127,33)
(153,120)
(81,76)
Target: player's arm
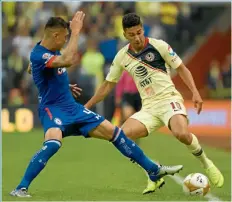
(67,58)
(107,86)
(101,93)
(176,63)
(29,68)
(187,77)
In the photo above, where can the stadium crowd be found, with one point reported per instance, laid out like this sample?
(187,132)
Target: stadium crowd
(101,37)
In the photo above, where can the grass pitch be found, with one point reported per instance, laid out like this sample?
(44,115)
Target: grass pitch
(93,170)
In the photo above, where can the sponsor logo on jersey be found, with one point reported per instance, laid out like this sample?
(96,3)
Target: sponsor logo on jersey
(58,121)
(150,57)
(146,82)
(170,51)
(141,72)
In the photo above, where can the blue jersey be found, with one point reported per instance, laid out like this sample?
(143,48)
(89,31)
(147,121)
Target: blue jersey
(52,83)
(57,108)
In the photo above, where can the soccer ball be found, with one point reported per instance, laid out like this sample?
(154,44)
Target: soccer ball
(196,184)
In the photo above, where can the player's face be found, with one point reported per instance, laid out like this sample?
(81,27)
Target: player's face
(61,37)
(135,35)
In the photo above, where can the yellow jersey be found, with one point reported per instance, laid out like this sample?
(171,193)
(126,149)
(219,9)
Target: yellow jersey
(150,69)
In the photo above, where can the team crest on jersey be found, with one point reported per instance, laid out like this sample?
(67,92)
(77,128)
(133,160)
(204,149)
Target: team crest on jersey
(170,51)
(58,121)
(61,70)
(150,57)
(46,55)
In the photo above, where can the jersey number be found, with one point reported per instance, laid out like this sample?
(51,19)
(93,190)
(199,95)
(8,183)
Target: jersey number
(97,116)
(175,106)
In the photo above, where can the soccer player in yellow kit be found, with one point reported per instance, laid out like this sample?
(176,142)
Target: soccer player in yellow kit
(149,61)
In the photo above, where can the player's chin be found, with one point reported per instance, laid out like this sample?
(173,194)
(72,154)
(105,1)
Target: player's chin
(138,45)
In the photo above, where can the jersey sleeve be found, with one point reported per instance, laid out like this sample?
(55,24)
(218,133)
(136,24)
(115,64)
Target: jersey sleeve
(170,57)
(115,70)
(42,59)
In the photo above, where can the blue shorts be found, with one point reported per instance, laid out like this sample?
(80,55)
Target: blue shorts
(74,121)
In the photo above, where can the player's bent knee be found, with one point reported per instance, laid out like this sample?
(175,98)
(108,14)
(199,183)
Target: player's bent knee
(54,134)
(183,136)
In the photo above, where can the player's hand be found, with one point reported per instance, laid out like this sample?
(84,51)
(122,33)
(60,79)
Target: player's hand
(198,102)
(77,22)
(76,91)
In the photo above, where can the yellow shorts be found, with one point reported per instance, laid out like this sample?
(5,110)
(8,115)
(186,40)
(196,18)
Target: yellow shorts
(158,115)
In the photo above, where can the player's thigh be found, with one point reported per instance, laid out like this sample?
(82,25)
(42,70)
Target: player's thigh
(141,124)
(169,109)
(134,129)
(53,134)
(104,130)
(178,123)
(52,124)
(81,121)
(175,118)
(127,111)
(179,128)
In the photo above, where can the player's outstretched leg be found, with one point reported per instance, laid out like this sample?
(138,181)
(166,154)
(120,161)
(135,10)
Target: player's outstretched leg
(131,150)
(36,165)
(211,170)
(178,124)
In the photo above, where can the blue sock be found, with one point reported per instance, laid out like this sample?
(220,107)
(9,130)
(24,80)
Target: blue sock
(131,150)
(39,161)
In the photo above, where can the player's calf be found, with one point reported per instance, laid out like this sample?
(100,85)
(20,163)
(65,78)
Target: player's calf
(36,165)
(178,124)
(132,151)
(126,146)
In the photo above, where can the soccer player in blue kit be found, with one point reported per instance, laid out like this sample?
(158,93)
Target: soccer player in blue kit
(61,115)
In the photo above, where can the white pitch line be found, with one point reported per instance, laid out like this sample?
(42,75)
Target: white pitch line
(179,180)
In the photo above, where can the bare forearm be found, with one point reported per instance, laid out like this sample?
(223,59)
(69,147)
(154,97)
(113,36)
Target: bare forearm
(186,76)
(100,94)
(29,69)
(72,47)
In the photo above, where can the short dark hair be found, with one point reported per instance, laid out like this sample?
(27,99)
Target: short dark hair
(130,20)
(56,22)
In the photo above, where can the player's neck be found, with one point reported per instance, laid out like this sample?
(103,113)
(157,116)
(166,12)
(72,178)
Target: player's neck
(47,44)
(139,49)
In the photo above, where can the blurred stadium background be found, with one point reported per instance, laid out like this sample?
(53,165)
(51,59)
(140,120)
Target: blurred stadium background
(199,32)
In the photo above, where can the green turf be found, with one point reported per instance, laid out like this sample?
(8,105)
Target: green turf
(89,169)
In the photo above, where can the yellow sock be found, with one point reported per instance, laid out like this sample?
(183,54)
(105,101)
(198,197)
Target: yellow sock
(196,150)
